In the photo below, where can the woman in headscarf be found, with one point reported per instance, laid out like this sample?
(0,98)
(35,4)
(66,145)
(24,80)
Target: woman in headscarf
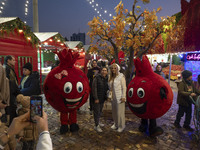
(117,85)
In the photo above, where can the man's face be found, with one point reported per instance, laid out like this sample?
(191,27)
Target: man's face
(11,62)
(94,63)
(104,72)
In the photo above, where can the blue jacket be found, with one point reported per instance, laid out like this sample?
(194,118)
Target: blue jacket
(31,85)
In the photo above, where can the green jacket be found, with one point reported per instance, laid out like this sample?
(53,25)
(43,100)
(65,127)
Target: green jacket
(183,94)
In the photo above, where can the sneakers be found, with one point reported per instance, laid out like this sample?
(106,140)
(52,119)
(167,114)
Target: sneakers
(188,128)
(113,127)
(98,128)
(177,125)
(101,124)
(120,129)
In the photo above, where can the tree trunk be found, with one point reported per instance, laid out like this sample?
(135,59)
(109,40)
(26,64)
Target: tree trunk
(129,71)
(115,52)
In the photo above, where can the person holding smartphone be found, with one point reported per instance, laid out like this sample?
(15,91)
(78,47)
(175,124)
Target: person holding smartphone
(19,123)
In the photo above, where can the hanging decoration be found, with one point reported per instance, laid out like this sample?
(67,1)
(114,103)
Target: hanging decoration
(21,27)
(99,10)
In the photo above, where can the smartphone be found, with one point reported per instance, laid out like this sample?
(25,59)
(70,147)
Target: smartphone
(36,107)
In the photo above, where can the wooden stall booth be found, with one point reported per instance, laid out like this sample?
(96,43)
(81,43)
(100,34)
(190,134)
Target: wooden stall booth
(17,39)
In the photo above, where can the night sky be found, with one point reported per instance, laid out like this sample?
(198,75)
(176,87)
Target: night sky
(71,16)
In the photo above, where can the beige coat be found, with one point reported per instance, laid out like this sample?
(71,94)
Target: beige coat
(4,89)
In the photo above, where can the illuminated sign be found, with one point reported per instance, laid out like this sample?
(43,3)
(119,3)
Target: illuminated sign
(193,56)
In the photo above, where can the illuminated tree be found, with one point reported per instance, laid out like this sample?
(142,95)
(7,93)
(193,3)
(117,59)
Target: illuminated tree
(109,33)
(137,32)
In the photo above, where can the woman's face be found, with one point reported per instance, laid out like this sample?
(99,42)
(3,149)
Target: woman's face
(159,68)
(114,69)
(26,72)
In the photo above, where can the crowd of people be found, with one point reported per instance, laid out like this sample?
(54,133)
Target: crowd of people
(14,117)
(107,84)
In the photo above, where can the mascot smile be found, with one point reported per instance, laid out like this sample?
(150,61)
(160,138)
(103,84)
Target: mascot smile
(66,89)
(149,96)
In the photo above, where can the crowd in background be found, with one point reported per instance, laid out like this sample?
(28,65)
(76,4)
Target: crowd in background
(107,82)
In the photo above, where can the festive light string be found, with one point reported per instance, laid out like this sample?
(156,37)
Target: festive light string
(27,2)
(99,10)
(2,4)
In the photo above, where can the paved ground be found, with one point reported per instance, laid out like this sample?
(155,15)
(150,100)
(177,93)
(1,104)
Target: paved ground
(88,139)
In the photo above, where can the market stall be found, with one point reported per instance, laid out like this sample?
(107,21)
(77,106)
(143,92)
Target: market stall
(17,39)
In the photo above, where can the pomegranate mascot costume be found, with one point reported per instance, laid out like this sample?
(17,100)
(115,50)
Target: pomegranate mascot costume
(149,96)
(66,89)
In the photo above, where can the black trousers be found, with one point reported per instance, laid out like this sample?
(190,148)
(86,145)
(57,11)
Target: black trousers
(97,109)
(188,114)
(91,102)
(152,123)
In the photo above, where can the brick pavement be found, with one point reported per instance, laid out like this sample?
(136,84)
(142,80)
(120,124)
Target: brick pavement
(88,139)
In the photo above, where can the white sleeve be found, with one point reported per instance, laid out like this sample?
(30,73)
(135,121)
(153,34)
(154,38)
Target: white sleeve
(123,82)
(44,142)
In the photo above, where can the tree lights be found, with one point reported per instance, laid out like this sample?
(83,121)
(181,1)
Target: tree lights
(2,4)
(99,10)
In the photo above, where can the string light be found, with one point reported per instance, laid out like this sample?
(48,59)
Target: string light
(26,10)
(99,10)
(2,5)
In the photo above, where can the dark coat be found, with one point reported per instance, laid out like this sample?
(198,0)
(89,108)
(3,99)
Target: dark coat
(14,90)
(100,88)
(31,85)
(183,94)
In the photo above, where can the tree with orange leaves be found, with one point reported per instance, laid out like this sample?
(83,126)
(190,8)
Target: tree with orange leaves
(138,32)
(109,33)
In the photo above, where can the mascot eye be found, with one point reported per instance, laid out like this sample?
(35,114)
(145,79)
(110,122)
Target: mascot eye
(79,87)
(140,93)
(67,87)
(130,92)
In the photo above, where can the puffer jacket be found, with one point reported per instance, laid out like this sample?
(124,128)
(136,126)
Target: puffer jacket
(118,87)
(183,94)
(31,85)
(100,88)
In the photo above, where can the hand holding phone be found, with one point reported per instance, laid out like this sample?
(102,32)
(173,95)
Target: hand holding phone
(36,107)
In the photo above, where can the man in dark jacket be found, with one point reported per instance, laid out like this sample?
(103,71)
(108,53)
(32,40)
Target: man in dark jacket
(186,89)
(13,83)
(91,74)
(30,84)
(100,88)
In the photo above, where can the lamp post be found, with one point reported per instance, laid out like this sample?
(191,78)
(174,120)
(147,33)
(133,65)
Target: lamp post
(35,16)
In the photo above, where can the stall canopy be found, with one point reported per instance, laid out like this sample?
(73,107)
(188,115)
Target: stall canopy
(51,40)
(17,39)
(75,45)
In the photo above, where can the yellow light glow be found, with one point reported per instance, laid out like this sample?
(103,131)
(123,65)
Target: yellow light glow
(20,31)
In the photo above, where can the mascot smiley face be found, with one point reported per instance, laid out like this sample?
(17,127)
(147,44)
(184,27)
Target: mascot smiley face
(66,87)
(149,96)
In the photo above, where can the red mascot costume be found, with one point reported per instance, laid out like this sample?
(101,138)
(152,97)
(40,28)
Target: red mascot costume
(66,89)
(149,96)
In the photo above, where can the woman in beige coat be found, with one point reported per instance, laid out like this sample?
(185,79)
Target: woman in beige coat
(117,86)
